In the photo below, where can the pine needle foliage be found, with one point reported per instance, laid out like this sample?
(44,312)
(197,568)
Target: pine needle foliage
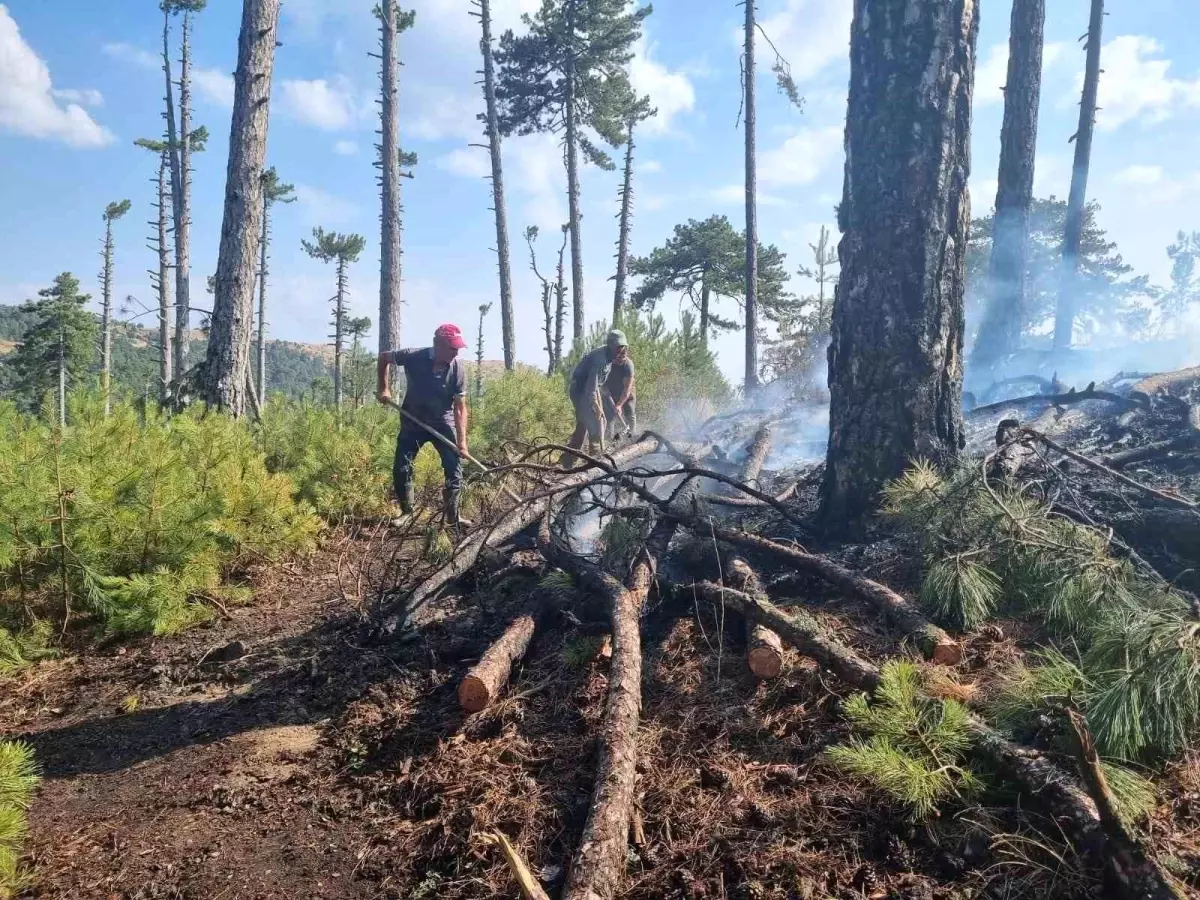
(18,778)
(908,745)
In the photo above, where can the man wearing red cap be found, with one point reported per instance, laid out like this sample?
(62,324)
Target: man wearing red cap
(435,393)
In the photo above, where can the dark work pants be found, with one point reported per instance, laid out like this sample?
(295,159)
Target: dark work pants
(412,438)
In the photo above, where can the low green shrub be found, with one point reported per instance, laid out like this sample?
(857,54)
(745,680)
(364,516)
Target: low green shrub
(18,778)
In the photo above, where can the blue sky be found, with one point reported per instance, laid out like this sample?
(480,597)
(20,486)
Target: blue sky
(79,81)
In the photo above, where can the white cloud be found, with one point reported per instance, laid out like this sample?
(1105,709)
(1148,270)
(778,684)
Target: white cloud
(540,179)
(325,208)
(1139,175)
(650,166)
(470,162)
(736,194)
(992,72)
(444,113)
(331,105)
(214,86)
(811,34)
(802,158)
(670,92)
(27,102)
(131,54)
(1150,185)
(1136,84)
(84,97)
(345,148)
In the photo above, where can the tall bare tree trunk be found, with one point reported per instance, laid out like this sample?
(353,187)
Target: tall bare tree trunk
(507,315)
(106,281)
(183,221)
(1064,319)
(173,163)
(895,361)
(705,304)
(625,216)
(573,212)
(389,253)
(751,211)
(261,350)
(1004,318)
(560,311)
(339,321)
(226,367)
(163,282)
(62,374)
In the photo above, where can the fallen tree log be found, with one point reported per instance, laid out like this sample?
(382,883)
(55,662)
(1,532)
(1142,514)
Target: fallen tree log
(764,649)
(508,525)
(756,458)
(487,678)
(598,867)
(1188,441)
(1166,381)
(1070,397)
(721,500)
(1030,770)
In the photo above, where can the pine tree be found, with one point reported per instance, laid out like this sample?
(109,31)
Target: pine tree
(112,212)
(57,348)
(751,240)
(274,191)
(1000,333)
(1064,320)
(895,360)
(160,280)
(226,373)
(641,111)
(804,329)
(360,368)
(343,249)
(531,234)
(491,130)
(484,309)
(1185,287)
(392,23)
(567,74)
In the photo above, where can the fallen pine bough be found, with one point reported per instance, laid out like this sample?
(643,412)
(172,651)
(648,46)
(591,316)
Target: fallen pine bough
(1072,396)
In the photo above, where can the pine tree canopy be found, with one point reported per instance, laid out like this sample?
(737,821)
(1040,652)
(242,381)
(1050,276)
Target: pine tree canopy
(60,314)
(276,191)
(328,246)
(174,7)
(571,46)
(116,210)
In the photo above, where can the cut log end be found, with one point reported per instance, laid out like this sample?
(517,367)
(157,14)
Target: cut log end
(765,652)
(473,695)
(945,652)
(487,678)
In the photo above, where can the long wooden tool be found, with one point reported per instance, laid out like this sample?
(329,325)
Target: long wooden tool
(444,441)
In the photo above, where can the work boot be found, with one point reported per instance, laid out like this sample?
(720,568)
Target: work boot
(451,498)
(405,498)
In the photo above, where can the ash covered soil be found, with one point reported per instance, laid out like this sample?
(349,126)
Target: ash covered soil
(277,754)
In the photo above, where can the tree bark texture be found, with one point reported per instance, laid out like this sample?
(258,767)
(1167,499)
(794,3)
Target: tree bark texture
(895,361)
(487,678)
(226,367)
(261,350)
(574,213)
(560,307)
(508,326)
(1064,319)
(764,649)
(390,314)
(183,226)
(163,284)
(756,455)
(180,347)
(62,383)
(751,379)
(1005,315)
(625,221)
(705,306)
(106,281)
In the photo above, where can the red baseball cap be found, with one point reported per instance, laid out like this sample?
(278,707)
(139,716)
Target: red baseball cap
(451,334)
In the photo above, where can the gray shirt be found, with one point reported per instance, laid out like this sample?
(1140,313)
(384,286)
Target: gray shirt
(620,377)
(430,388)
(590,373)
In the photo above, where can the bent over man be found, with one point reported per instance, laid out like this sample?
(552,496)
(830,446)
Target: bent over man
(587,383)
(620,404)
(435,394)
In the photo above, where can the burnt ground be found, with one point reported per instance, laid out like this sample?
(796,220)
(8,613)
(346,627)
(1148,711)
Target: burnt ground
(276,754)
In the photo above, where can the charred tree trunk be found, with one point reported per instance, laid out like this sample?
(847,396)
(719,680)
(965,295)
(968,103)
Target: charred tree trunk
(390,249)
(261,349)
(1064,319)
(625,217)
(226,367)
(573,211)
(1005,316)
(339,326)
(106,281)
(487,678)
(751,380)
(507,317)
(895,361)
(183,223)
(163,284)
(180,348)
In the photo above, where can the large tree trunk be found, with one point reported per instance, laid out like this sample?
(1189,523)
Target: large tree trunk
(165,358)
(1064,319)
(261,350)
(895,361)
(183,225)
(751,379)
(226,367)
(705,305)
(1004,318)
(339,321)
(389,255)
(619,292)
(507,320)
(180,348)
(573,212)
(106,319)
